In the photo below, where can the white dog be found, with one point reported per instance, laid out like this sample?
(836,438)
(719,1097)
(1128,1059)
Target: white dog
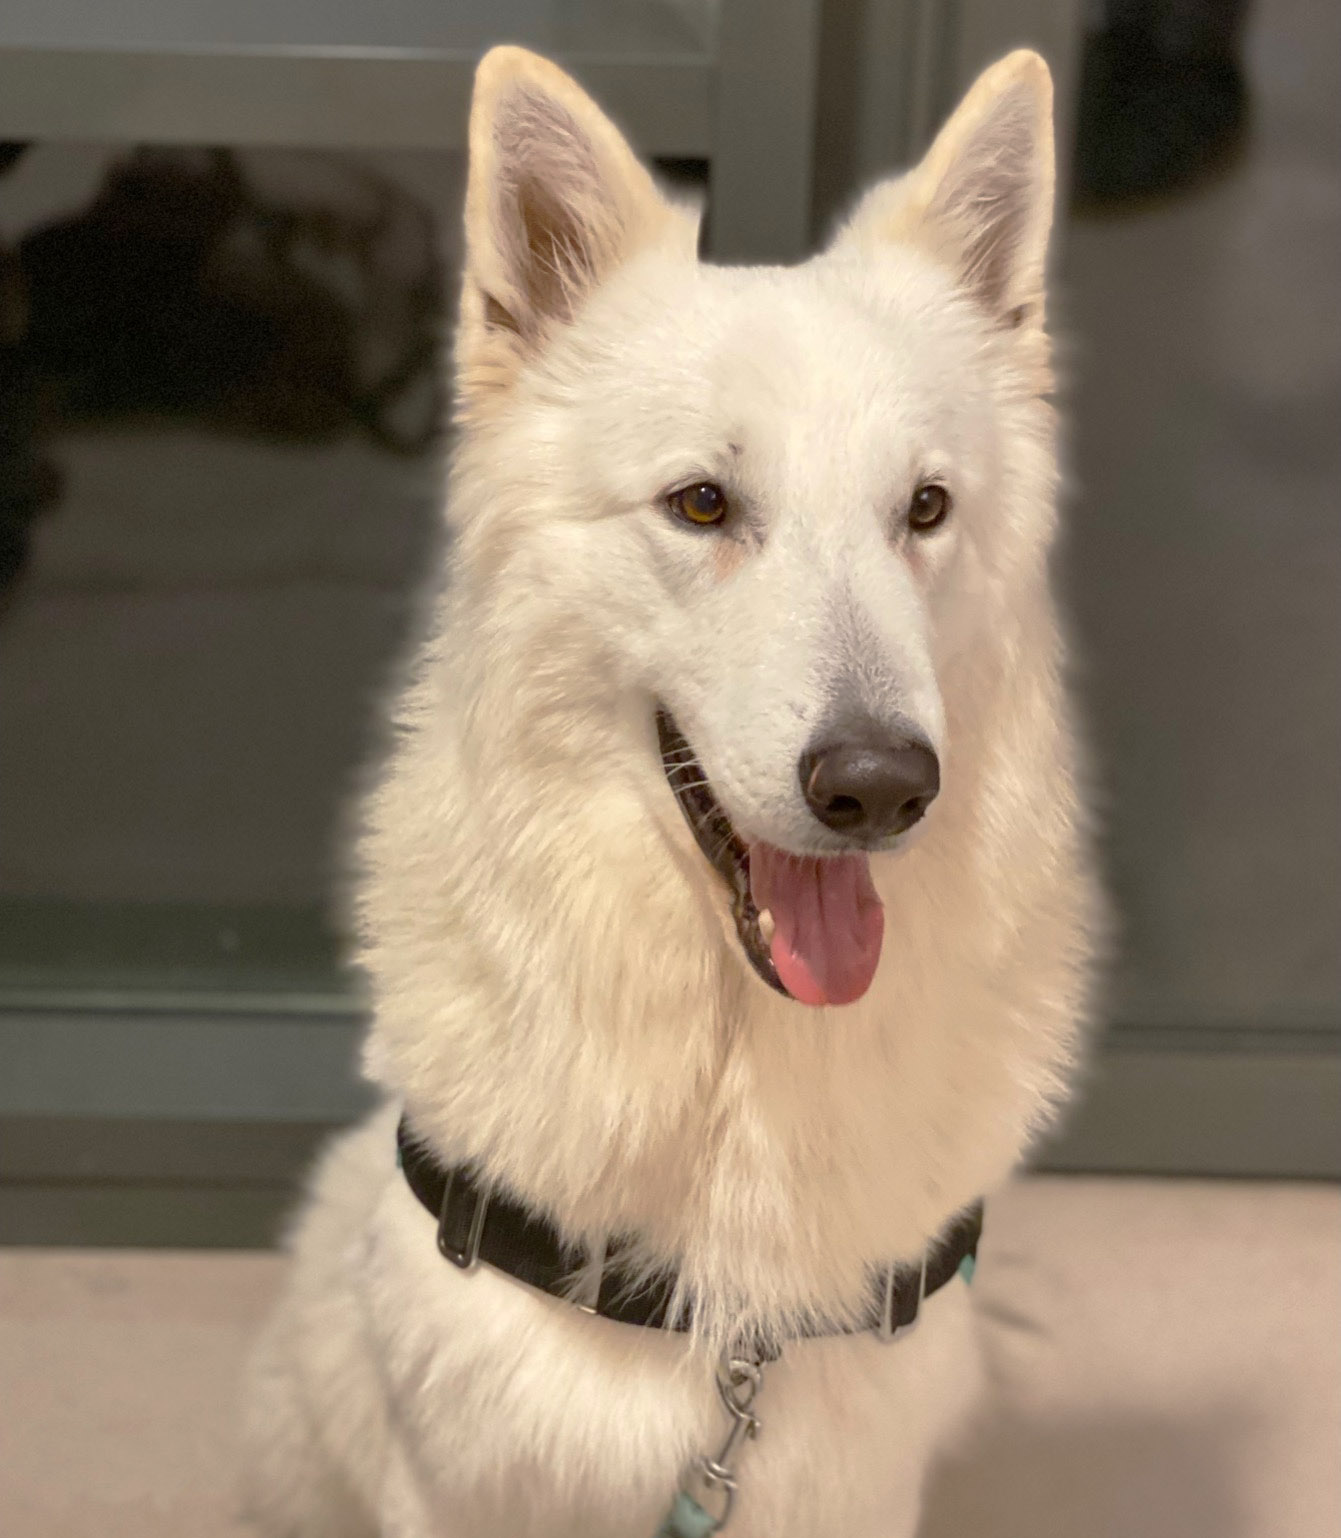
(673,977)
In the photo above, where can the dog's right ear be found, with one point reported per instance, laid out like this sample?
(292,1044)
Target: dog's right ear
(555,201)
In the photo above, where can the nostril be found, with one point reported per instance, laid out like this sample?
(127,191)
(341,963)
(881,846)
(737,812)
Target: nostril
(872,787)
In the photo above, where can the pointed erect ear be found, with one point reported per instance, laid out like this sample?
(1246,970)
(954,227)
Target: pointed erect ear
(981,200)
(555,202)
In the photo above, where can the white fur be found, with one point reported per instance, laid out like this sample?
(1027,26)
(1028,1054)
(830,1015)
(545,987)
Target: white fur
(559,993)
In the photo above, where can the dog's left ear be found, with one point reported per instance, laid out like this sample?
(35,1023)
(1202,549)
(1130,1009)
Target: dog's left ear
(981,200)
(555,202)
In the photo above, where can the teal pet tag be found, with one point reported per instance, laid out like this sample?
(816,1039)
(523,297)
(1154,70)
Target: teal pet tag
(687,1519)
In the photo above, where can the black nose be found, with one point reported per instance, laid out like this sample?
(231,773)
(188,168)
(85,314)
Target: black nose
(869,785)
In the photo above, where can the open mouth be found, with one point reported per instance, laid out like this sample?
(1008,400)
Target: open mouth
(811,926)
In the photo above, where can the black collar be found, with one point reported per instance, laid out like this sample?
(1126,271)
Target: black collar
(474,1226)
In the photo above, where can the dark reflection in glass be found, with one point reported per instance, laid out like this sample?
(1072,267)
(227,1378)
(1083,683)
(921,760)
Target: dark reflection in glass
(218,485)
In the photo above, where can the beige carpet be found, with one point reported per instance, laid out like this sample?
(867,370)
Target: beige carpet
(1166,1355)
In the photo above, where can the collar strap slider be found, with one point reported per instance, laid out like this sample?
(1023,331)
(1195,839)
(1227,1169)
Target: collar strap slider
(900,1307)
(461,1220)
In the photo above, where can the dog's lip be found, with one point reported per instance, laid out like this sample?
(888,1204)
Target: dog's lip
(722,846)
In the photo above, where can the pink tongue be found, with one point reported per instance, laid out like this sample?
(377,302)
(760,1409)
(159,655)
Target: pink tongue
(828,922)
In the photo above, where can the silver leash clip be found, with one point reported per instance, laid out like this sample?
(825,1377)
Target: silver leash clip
(703,1505)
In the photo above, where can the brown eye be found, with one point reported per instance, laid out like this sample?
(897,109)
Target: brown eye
(701,504)
(929,508)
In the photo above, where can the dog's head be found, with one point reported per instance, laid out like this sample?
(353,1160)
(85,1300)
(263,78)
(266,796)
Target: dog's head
(778,507)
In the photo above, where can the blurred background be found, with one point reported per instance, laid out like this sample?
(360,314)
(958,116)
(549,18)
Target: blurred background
(229,236)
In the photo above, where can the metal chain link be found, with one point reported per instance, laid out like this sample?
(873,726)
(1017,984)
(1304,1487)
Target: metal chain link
(711,1478)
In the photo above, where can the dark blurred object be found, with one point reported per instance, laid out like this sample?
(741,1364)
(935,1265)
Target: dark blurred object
(184,293)
(27,484)
(1163,100)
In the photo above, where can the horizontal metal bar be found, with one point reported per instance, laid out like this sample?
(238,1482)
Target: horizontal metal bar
(130,1150)
(375,99)
(142,1216)
(1217,1112)
(1297,1038)
(188,1067)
